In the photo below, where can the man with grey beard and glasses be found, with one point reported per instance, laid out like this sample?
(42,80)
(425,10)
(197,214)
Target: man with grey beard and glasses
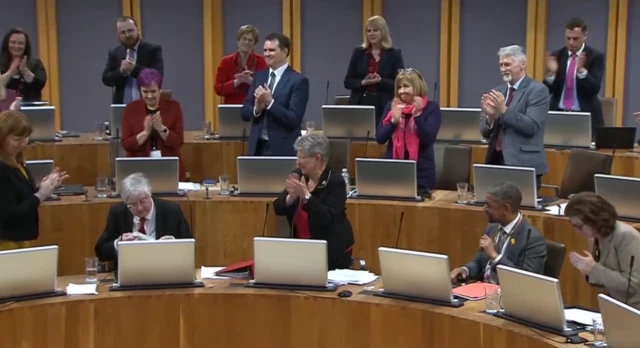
(514,115)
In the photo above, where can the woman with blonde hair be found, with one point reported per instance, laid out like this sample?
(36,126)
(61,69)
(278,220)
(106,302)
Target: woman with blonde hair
(20,196)
(410,126)
(373,68)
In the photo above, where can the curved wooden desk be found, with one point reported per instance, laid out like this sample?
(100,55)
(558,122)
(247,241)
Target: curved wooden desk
(85,159)
(223,315)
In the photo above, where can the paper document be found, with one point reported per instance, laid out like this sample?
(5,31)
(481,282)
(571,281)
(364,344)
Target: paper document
(581,316)
(557,210)
(210,273)
(188,186)
(82,289)
(349,276)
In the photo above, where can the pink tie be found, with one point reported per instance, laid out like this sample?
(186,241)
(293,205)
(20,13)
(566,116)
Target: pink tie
(569,84)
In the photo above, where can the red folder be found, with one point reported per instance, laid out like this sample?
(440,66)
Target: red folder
(474,291)
(240,270)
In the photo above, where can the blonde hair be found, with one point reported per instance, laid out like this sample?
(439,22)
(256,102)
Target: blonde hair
(248,29)
(377,22)
(414,78)
(12,123)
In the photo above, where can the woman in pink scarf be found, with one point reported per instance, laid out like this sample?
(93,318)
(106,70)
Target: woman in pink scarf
(410,125)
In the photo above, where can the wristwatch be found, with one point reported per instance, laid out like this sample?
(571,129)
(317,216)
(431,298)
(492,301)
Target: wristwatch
(307,196)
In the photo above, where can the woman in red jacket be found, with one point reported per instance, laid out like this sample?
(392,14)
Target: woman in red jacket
(152,127)
(235,72)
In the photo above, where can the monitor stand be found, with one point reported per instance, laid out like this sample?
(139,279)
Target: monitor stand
(355,195)
(327,288)
(455,303)
(55,293)
(249,194)
(118,287)
(564,333)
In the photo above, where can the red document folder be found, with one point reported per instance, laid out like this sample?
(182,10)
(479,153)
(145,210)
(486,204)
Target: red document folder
(474,291)
(240,270)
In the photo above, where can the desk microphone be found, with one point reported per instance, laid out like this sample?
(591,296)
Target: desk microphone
(326,94)
(366,144)
(435,91)
(264,224)
(524,252)
(399,229)
(633,259)
(244,137)
(206,191)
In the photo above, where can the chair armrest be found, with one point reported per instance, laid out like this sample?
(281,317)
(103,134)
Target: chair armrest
(555,188)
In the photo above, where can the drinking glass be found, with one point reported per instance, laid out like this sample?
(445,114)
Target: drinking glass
(598,333)
(98,130)
(311,127)
(224,184)
(91,269)
(206,129)
(463,192)
(103,189)
(492,300)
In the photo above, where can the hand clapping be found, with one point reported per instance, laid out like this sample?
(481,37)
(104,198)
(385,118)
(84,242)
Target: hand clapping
(244,77)
(396,110)
(263,97)
(296,186)
(552,65)
(156,120)
(584,263)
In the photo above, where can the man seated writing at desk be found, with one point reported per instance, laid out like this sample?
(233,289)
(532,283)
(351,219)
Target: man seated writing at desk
(139,212)
(505,240)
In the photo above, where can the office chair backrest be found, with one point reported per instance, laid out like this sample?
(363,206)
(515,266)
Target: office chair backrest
(456,167)
(555,259)
(581,167)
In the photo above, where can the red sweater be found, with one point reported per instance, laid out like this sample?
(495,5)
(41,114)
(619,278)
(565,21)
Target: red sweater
(225,75)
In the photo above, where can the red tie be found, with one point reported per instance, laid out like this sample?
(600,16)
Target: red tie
(141,228)
(507,103)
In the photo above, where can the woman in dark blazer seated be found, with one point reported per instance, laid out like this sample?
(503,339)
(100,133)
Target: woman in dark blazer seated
(314,201)
(20,196)
(373,68)
(20,70)
(152,126)
(410,126)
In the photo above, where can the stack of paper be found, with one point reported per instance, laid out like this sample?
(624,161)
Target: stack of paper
(81,289)
(349,276)
(557,210)
(188,186)
(581,316)
(210,273)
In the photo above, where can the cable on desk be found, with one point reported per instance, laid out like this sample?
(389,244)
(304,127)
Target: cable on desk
(545,336)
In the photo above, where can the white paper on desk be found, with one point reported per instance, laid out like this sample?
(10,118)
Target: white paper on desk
(188,186)
(581,316)
(210,273)
(82,289)
(350,276)
(557,210)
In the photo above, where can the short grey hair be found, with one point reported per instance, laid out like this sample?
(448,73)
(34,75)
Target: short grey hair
(313,144)
(134,185)
(515,51)
(507,193)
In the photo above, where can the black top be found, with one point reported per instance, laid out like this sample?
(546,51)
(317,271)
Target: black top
(154,133)
(28,91)
(18,205)
(326,212)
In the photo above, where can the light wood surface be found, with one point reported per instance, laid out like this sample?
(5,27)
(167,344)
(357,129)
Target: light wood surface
(224,228)
(85,159)
(225,314)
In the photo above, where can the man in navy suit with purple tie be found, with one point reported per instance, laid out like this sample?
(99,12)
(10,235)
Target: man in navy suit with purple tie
(276,102)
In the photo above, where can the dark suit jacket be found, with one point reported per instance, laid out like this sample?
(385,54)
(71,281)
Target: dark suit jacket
(147,56)
(534,259)
(326,211)
(428,126)
(285,115)
(389,64)
(133,123)
(587,88)
(226,75)
(19,212)
(28,91)
(170,221)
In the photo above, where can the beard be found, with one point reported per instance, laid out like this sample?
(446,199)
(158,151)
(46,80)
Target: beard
(131,41)
(507,78)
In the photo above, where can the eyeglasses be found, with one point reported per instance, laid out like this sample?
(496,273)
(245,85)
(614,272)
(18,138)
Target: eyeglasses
(143,201)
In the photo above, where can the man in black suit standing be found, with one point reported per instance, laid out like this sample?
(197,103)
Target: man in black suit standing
(508,240)
(140,216)
(126,60)
(574,74)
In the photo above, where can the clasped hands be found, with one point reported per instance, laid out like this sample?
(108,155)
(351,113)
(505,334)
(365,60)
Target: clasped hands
(154,121)
(244,77)
(493,105)
(371,79)
(296,186)
(398,105)
(263,98)
(20,65)
(127,65)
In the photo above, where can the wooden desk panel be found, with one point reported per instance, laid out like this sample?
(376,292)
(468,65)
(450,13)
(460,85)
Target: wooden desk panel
(221,315)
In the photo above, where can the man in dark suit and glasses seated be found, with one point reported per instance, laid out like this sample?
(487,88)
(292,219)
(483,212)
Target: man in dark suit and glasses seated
(127,60)
(276,102)
(139,212)
(506,241)
(514,115)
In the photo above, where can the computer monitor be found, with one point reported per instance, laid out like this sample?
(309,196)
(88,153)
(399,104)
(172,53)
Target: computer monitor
(568,129)
(263,175)
(43,122)
(349,121)
(29,273)
(486,176)
(116,119)
(620,322)
(416,276)
(162,172)
(39,169)
(156,264)
(290,263)
(386,179)
(622,192)
(615,138)
(230,122)
(460,125)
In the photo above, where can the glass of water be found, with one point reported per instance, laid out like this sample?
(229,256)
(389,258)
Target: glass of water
(98,130)
(463,192)
(311,127)
(492,300)
(91,269)
(206,129)
(103,189)
(224,184)
(598,333)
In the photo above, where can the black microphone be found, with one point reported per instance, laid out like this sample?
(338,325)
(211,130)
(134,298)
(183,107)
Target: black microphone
(366,144)
(264,224)
(435,91)
(244,136)
(524,252)
(326,94)
(399,229)
(633,259)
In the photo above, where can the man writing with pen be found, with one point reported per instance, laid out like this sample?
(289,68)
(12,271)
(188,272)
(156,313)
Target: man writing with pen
(508,240)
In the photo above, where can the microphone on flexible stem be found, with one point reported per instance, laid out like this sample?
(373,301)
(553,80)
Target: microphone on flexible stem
(244,136)
(264,224)
(399,229)
(366,144)
(633,259)
(435,91)
(326,94)
(524,252)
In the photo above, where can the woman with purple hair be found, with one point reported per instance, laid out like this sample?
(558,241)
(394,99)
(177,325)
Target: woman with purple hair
(152,126)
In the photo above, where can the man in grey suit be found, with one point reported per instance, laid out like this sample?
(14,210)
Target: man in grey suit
(508,240)
(514,116)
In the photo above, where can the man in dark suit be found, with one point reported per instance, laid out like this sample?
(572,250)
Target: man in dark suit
(515,114)
(276,102)
(140,216)
(574,74)
(125,62)
(508,240)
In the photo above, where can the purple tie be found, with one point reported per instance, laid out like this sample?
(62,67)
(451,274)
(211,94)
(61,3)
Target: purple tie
(569,84)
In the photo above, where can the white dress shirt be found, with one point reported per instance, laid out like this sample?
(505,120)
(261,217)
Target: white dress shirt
(149,224)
